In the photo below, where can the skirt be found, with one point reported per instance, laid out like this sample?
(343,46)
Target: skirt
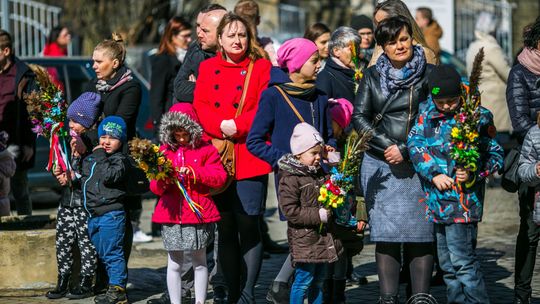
(187,237)
(394,200)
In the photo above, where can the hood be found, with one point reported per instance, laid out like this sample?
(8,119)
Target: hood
(175,119)
(278,76)
(290,164)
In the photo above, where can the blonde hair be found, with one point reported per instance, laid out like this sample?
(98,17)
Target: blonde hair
(114,47)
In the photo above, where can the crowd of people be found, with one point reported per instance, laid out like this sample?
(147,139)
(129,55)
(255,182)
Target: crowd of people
(228,109)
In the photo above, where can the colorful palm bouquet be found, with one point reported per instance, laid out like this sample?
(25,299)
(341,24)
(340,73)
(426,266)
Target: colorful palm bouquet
(157,166)
(334,191)
(47,109)
(357,68)
(464,136)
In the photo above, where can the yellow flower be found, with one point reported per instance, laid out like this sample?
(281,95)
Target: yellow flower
(150,176)
(161,175)
(455,132)
(161,160)
(143,166)
(155,148)
(323,195)
(472,135)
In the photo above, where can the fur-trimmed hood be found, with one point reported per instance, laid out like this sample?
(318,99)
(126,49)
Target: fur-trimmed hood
(180,116)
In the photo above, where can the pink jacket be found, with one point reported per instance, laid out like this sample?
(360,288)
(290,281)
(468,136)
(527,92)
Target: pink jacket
(202,157)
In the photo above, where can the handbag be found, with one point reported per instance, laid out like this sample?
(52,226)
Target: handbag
(510,177)
(225,146)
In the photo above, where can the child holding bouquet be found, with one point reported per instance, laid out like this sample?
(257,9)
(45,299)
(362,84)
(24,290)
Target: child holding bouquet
(72,218)
(186,227)
(311,248)
(455,191)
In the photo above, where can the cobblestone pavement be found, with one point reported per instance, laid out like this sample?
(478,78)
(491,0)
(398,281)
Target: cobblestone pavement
(496,243)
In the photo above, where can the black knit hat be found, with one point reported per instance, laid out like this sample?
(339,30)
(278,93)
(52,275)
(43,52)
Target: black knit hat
(444,82)
(361,21)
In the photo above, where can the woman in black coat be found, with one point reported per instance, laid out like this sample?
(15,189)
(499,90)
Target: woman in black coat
(397,87)
(523,99)
(165,65)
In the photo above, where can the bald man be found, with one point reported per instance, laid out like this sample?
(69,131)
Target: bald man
(205,47)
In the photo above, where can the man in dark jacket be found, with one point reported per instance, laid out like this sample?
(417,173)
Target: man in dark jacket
(205,47)
(16,78)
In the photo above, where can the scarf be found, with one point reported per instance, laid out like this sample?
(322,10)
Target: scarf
(393,80)
(115,82)
(306,91)
(530,59)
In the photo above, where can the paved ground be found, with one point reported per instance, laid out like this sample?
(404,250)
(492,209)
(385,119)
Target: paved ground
(495,249)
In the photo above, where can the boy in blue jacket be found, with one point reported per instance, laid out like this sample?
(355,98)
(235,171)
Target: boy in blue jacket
(455,213)
(104,191)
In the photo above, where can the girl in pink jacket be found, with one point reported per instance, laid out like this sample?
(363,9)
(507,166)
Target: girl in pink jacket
(199,168)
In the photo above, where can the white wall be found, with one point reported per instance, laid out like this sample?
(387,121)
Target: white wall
(443,12)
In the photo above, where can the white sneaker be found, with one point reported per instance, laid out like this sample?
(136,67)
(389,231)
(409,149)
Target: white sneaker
(141,237)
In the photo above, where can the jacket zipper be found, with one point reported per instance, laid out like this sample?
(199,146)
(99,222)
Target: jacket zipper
(410,111)
(84,188)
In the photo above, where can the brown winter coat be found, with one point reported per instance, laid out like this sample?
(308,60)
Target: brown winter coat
(298,193)
(432,33)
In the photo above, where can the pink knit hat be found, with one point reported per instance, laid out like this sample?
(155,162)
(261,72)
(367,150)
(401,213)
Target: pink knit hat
(304,137)
(340,111)
(294,53)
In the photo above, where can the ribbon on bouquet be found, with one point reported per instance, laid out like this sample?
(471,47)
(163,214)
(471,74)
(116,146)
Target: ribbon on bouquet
(58,149)
(193,206)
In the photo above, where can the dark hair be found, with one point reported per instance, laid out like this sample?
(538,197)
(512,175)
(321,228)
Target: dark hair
(389,29)
(54,34)
(254,51)
(426,13)
(397,8)
(315,30)
(212,7)
(5,40)
(531,35)
(114,48)
(174,26)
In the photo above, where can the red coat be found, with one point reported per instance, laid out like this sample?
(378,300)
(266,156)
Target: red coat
(217,93)
(172,207)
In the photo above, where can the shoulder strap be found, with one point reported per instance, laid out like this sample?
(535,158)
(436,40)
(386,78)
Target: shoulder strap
(244,93)
(290,104)
(379,116)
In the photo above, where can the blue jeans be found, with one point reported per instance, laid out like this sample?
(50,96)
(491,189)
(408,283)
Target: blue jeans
(456,245)
(107,235)
(308,279)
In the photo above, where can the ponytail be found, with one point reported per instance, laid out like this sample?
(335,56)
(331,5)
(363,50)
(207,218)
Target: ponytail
(114,47)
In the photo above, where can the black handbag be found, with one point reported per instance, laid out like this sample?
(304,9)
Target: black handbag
(510,177)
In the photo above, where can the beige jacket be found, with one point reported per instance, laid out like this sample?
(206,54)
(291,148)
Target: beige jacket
(495,70)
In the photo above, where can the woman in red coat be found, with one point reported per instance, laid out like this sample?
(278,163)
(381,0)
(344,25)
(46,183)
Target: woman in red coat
(217,98)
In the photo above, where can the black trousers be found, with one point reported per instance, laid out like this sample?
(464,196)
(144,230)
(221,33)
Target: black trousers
(526,244)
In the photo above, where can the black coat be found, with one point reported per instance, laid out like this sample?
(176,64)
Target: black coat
(164,69)
(336,81)
(183,87)
(16,120)
(103,181)
(523,99)
(124,101)
(400,115)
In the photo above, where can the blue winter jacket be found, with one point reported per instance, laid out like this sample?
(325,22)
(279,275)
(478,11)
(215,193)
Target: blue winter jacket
(429,148)
(275,120)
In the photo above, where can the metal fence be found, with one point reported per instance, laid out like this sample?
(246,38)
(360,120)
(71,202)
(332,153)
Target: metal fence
(466,14)
(292,21)
(29,22)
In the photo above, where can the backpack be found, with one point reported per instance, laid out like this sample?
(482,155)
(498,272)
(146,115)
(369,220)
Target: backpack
(136,181)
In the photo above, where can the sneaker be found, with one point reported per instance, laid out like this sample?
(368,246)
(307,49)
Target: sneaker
(141,237)
(114,295)
(279,293)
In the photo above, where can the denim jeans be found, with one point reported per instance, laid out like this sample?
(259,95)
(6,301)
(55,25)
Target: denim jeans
(107,235)
(308,279)
(456,245)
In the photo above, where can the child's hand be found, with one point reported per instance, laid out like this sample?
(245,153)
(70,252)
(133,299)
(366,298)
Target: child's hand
(62,179)
(462,175)
(443,182)
(324,214)
(77,145)
(57,170)
(360,226)
(538,168)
